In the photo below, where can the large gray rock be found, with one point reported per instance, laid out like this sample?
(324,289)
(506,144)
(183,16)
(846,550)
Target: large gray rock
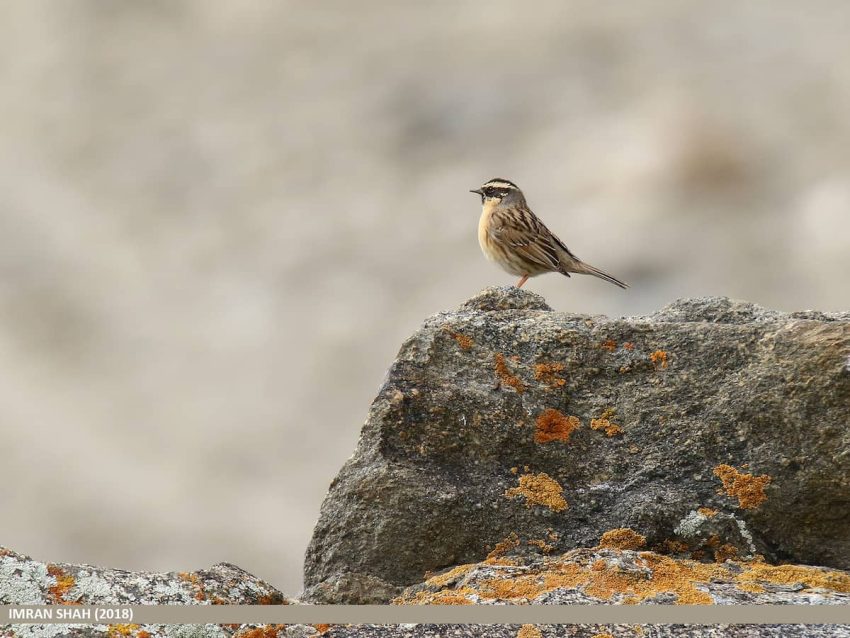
(713,428)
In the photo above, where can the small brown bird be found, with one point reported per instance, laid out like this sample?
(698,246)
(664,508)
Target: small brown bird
(512,236)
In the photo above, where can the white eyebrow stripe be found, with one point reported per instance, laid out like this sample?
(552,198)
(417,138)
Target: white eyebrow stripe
(500,184)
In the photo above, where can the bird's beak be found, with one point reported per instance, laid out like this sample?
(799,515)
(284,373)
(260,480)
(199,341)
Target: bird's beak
(477,191)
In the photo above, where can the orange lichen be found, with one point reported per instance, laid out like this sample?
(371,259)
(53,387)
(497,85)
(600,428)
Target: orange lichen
(503,547)
(605,424)
(266,631)
(195,581)
(542,545)
(464,341)
(548,373)
(504,561)
(456,572)
(539,489)
(529,631)
(122,630)
(596,575)
(809,577)
(504,375)
(143,634)
(602,636)
(461,596)
(629,345)
(610,429)
(64,583)
(678,577)
(520,587)
(553,425)
(707,512)
(622,538)
(668,575)
(610,345)
(748,489)
(659,358)
(725,552)
(267,599)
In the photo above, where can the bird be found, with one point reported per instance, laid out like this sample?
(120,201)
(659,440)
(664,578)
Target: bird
(511,235)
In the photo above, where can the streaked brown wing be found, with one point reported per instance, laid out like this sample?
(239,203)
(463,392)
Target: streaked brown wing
(564,248)
(526,236)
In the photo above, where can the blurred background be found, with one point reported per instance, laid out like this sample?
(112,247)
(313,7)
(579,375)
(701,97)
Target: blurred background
(218,222)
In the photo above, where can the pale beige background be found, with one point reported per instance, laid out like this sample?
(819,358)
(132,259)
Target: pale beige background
(218,221)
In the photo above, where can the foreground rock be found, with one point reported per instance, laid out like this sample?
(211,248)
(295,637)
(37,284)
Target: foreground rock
(598,576)
(601,575)
(713,429)
(588,631)
(592,631)
(440,631)
(24,581)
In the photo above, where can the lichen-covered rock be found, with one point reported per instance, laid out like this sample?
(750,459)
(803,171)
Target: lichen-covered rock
(589,631)
(715,429)
(131,631)
(24,581)
(597,576)
(442,631)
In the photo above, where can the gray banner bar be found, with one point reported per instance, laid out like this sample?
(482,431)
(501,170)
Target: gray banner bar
(462,614)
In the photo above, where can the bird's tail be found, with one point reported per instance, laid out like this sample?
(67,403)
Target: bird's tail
(587,269)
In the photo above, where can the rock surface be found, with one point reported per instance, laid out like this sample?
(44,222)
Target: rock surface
(24,581)
(714,429)
(542,458)
(589,631)
(599,576)
(441,631)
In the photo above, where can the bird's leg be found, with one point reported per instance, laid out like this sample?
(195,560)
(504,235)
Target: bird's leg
(522,281)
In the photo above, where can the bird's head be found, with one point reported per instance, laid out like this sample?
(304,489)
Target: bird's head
(499,191)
